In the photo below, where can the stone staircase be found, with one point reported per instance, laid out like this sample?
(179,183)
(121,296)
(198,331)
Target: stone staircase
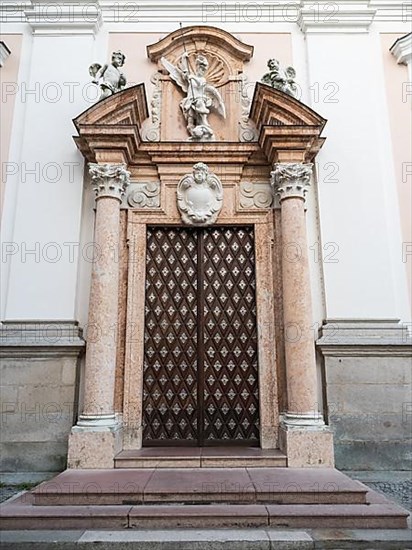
(201,497)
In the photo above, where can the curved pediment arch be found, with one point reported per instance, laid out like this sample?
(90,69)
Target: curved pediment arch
(200,38)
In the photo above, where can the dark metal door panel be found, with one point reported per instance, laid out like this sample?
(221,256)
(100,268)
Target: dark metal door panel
(170,412)
(231,400)
(200,370)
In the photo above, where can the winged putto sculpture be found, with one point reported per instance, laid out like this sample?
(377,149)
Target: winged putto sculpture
(108,76)
(200,98)
(283,80)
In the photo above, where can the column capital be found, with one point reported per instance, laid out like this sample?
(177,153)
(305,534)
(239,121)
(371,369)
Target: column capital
(109,180)
(291,180)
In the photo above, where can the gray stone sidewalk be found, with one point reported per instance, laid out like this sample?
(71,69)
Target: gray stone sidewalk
(217,539)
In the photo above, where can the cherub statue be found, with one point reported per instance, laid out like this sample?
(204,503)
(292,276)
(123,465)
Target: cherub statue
(110,79)
(200,97)
(279,79)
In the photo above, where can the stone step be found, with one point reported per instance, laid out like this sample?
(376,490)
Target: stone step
(21,514)
(201,457)
(200,486)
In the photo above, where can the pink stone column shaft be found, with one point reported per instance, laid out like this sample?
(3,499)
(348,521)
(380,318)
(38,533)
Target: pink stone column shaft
(291,183)
(299,346)
(98,406)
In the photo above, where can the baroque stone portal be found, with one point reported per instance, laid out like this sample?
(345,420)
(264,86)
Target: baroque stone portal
(200,196)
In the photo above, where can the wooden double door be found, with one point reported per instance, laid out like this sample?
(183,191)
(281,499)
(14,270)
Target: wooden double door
(200,383)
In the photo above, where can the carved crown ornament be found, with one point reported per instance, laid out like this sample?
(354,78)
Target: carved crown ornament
(109,180)
(200,196)
(291,180)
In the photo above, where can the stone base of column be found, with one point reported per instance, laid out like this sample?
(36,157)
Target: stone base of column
(94,447)
(310,447)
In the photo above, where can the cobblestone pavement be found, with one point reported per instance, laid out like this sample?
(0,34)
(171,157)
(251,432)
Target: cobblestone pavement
(7,491)
(400,491)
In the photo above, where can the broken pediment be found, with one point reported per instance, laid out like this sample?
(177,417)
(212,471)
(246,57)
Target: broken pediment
(285,125)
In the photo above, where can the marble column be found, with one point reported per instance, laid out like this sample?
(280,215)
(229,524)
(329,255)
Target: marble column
(302,420)
(93,440)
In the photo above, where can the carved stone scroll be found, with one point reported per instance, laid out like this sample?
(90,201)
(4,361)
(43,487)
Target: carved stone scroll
(151,130)
(144,195)
(256,195)
(247,129)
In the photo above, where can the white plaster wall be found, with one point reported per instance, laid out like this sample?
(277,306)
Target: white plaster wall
(43,285)
(359,214)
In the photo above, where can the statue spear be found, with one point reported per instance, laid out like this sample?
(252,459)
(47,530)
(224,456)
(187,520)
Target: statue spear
(187,60)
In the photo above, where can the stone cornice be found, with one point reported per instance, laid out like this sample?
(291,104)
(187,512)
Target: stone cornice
(14,12)
(69,17)
(40,338)
(402,49)
(113,124)
(392,10)
(230,153)
(83,16)
(335,17)
(386,337)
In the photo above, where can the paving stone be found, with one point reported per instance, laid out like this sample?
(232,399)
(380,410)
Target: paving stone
(293,540)
(225,539)
(362,539)
(40,536)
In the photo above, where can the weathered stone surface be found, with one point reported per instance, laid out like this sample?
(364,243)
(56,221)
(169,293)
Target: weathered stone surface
(368,398)
(362,370)
(93,449)
(368,379)
(373,455)
(38,396)
(370,426)
(307,448)
(44,456)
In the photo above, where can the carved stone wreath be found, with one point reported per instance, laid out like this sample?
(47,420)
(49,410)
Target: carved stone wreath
(200,196)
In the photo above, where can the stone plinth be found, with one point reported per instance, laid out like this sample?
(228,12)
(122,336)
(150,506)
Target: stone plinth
(93,448)
(307,448)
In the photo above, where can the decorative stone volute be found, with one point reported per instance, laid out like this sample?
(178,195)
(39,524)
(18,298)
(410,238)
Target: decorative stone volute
(109,180)
(200,196)
(291,180)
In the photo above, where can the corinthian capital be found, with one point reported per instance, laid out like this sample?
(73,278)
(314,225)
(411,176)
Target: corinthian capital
(109,180)
(291,180)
